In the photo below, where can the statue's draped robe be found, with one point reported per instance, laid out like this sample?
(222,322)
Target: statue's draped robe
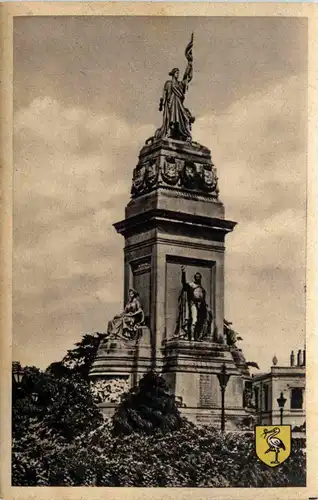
(176,118)
(124,324)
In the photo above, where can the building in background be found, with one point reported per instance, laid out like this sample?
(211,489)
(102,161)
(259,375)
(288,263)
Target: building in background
(288,380)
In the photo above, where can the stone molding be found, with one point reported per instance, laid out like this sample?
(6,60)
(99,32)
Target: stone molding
(168,144)
(173,242)
(190,195)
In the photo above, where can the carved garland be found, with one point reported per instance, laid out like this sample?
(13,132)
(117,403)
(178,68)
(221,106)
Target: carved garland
(174,172)
(109,390)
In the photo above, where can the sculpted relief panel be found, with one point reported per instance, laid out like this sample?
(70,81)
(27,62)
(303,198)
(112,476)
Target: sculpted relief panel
(109,390)
(174,172)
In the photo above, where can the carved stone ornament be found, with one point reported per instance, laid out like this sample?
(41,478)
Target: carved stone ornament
(109,390)
(170,171)
(174,172)
(248,398)
(209,178)
(151,174)
(138,184)
(189,175)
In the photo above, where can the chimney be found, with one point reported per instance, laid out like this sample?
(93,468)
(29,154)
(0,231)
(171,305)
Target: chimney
(299,356)
(292,359)
(304,357)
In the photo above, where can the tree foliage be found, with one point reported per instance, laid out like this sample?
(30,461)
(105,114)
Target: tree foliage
(80,358)
(187,457)
(60,439)
(147,408)
(64,404)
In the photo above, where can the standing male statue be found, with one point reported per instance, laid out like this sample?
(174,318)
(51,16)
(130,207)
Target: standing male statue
(177,119)
(195,317)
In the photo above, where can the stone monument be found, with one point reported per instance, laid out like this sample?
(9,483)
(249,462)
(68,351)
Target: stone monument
(174,230)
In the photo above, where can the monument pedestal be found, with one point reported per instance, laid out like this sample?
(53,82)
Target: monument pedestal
(191,369)
(118,366)
(175,220)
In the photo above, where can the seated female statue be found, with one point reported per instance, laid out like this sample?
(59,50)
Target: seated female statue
(126,324)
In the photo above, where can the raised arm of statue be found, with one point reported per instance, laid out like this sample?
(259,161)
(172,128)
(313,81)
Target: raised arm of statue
(188,74)
(187,77)
(183,277)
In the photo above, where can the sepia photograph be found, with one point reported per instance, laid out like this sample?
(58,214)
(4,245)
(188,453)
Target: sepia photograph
(159,208)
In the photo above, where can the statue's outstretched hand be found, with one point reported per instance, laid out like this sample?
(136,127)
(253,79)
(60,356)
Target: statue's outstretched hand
(190,57)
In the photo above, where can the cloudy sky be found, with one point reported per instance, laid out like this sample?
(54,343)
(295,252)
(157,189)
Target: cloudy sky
(86,92)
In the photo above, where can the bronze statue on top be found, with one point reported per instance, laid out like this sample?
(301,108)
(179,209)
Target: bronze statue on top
(194,317)
(177,119)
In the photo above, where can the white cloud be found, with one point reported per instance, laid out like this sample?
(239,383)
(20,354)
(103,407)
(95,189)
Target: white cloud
(70,187)
(259,148)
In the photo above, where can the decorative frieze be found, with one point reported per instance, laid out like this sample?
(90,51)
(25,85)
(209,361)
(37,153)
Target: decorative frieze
(171,171)
(109,390)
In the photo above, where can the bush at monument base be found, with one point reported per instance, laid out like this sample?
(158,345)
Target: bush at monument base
(190,456)
(148,407)
(60,440)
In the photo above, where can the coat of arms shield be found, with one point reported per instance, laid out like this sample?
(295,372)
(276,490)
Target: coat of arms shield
(151,174)
(138,179)
(170,173)
(209,179)
(273,443)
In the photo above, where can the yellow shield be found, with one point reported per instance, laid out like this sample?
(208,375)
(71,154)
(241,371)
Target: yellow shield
(273,443)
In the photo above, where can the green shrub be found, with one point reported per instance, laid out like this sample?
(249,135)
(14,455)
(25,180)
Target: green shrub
(61,440)
(147,408)
(64,407)
(188,457)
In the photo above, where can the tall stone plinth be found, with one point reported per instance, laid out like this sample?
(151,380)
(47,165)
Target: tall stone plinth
(174,219)
(191,369)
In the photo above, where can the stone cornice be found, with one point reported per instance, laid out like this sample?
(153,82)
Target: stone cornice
(155,217)
(283,372)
